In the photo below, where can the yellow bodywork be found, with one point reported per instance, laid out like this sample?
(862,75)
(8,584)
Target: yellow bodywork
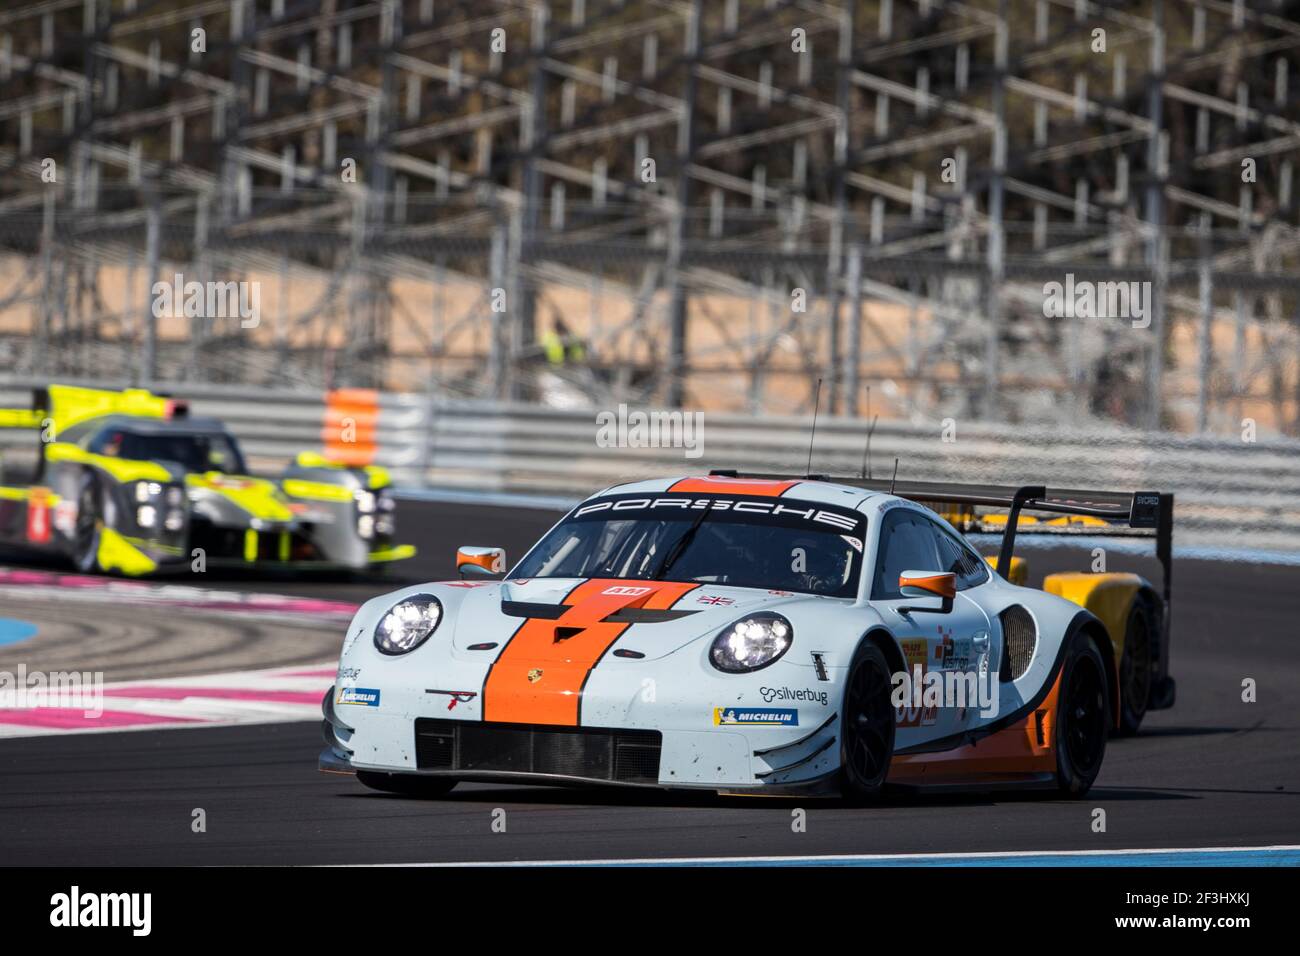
(376,475)
(1087,521)
(398,552)
(1000,521)
(257,496)
(117,553)
(1019,572)
(123,469)
(315,490)
(70,405)
(21,417)
(1109,596)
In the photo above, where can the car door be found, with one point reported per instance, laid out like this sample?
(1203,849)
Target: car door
(983,653)
(936,642)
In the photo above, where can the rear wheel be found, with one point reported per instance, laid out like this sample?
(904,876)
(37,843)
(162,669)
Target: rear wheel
(89,525)
(867,727)
(1136,666)
(408,784)
(1082,717)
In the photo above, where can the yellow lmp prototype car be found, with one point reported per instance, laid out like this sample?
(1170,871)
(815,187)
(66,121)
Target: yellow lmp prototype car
(127,481)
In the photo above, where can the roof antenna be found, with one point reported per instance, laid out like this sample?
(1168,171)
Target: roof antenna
(866,452)
(895,478)
(813,437)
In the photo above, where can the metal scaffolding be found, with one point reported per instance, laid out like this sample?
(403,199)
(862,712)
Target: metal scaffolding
(712,204)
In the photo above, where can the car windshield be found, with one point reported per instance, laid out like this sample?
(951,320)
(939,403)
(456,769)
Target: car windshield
(193,451)
(739,541)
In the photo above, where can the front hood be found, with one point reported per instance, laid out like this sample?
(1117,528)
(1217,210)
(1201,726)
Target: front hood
(561,619)
(238,500)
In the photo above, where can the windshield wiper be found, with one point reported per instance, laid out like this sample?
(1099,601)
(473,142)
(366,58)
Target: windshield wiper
(680,544)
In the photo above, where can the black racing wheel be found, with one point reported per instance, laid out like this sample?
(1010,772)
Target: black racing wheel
(1136,666)
(407,784)
(867,726)
(1082,717)
(89,525)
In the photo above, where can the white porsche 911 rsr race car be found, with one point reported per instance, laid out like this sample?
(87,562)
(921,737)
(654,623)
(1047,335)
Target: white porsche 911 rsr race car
(755,635)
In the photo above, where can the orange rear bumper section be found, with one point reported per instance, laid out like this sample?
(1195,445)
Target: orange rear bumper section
(1027,746)
(539,676)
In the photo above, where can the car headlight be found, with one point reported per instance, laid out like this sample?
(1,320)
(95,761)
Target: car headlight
(408,624)
(146,516)
(365,502)
(751,643)
(147,490)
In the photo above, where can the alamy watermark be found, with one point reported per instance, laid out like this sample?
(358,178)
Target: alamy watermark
(921,693)
(1085,299)
(208,300)
(640,429)
(68,690)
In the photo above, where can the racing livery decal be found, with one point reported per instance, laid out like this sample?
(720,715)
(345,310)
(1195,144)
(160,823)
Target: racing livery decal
(777,717)
(539,675)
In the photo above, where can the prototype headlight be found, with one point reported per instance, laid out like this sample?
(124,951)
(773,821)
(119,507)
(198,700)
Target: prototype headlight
(751,643)
(408,624)
(147,490)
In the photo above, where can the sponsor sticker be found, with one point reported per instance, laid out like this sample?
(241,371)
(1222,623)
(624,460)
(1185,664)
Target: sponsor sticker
(770,694)
(755,717)
(626,590)
(364,696)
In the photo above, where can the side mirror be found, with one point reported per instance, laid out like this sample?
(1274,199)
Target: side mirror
(480,562)
(920,584)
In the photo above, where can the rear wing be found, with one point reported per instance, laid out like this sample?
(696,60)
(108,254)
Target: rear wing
(1137,514)
(33,417)
(63,406)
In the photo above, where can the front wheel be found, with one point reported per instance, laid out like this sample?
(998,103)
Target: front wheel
(88,526)
(1082,717)
(867,726)
(408,784)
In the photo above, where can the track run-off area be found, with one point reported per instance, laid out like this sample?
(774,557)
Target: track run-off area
(241,662)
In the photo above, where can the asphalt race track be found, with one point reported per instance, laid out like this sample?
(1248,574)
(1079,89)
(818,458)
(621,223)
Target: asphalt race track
(1212,772)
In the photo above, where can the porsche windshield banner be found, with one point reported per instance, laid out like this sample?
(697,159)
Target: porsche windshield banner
(731,508)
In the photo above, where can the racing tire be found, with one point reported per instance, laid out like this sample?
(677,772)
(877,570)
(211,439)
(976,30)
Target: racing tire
(866,726)
(1082,717)
(407,784)
(1136,666)
(89,525)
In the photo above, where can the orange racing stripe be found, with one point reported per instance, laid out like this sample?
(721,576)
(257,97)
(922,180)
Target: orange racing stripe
(759,487)
(539,675)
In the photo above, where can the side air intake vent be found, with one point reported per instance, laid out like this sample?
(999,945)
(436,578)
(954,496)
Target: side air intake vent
(1019,637)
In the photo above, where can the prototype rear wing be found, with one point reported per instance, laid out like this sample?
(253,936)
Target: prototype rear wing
(64,406)
(32,417)
(1136,514)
